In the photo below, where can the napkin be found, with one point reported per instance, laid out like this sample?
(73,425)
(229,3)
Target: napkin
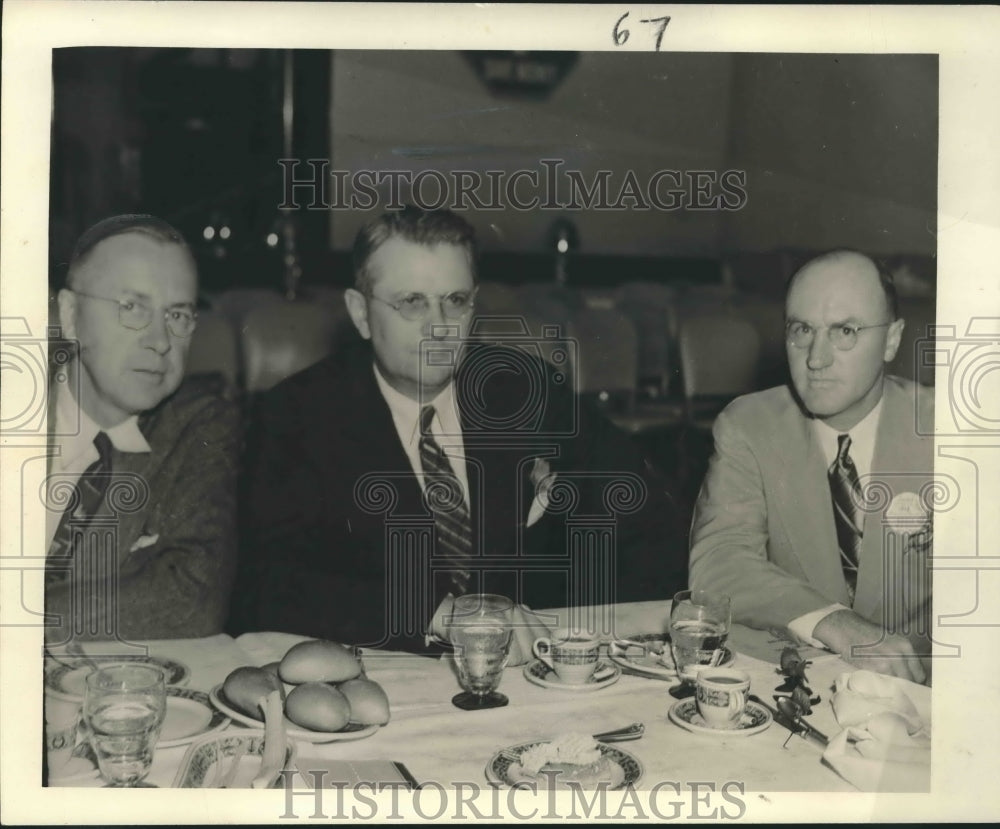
(885,745)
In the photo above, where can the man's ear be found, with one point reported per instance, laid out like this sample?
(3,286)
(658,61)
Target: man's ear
(892,339)
(357,307)
(67,313)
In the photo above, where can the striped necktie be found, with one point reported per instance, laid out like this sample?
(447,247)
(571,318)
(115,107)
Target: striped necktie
(845,489)
(446,500)
(84,505)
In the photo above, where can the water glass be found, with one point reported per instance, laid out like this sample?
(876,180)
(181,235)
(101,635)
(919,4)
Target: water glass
(699,627)
(480,629)
(123,710)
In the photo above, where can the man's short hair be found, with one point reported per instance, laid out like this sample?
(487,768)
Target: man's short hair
(140,223)
(884,275)
(414,224)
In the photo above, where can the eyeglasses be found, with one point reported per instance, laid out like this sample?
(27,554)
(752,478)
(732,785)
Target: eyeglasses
(416,306)
(844,336)
(136,315)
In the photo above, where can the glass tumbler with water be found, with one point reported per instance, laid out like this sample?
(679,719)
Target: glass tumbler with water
(123,709)
(699,627)
(480,630)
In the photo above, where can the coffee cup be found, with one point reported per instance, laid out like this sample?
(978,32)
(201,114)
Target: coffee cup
(572,654)
(62,734)
(721,694)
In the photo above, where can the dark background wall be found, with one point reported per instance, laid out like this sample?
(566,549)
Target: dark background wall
(837,150)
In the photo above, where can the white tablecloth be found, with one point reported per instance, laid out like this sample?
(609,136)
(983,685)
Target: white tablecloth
(441,743)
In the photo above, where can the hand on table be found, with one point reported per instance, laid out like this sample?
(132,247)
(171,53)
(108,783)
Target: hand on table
(527,628)
(844,630)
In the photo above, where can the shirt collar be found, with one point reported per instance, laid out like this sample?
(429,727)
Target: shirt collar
(76,430)
(862,439)
(406,411)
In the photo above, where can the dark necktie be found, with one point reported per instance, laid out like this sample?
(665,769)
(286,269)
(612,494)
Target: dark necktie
(845,489)
(84,505)
(447,502)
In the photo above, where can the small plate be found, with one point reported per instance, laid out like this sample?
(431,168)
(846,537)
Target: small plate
(68,682)
(208,762)
(498,770)
(349,732)
(190,715)
(755,719)
(539,673)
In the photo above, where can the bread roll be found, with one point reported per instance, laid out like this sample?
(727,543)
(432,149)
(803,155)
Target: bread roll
(318,661)
(318,706)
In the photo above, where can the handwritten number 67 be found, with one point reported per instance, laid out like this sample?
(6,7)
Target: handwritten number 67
(621,35)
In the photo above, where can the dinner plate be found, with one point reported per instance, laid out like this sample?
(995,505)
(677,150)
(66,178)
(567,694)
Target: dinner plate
(189,715)
(755,719)
(649,664)
(70,682)
(539,673)
(503,766)
(350,732)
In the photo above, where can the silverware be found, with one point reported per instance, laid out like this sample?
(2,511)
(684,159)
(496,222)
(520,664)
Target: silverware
(801,727)
(619,735)
(75,650)
(627,669)
(788,717)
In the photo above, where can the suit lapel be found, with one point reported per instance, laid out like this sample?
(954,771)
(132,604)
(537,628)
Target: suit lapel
(810,525)
(369,426)
(899,466)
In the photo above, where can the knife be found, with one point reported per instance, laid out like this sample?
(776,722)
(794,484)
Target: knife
(788,717)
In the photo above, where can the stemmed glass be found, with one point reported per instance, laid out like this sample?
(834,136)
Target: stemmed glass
(480,629)
(123,709)
(699,627)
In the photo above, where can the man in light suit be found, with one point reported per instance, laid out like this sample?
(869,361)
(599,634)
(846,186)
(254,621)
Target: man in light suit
(809,532)
(418,465)
(142,483)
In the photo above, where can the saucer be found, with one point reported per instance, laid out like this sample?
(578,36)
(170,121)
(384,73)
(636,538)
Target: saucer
(539,673)
(755,719)
(504,768)
(650,663)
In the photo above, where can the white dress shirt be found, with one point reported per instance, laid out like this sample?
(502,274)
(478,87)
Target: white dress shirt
(74,444)
(446,428)
(862,452)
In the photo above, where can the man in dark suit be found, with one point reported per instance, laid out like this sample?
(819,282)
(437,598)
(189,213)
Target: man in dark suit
(142,485)
(420,464)
(815,514)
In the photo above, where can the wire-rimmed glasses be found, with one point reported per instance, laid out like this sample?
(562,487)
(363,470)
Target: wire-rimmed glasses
(843,335)
(136,315)
(416,306)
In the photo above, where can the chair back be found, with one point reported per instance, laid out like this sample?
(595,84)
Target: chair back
(496,299)
(718,355)
(652,309)
(608,355)
(214,349)
(282,339)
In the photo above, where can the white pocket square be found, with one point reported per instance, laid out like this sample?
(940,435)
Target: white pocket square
(144,541)
(542,478)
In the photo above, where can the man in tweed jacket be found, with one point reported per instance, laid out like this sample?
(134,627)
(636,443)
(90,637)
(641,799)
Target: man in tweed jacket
(156,558)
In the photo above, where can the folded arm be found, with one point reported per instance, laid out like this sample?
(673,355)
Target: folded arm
(179,584)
